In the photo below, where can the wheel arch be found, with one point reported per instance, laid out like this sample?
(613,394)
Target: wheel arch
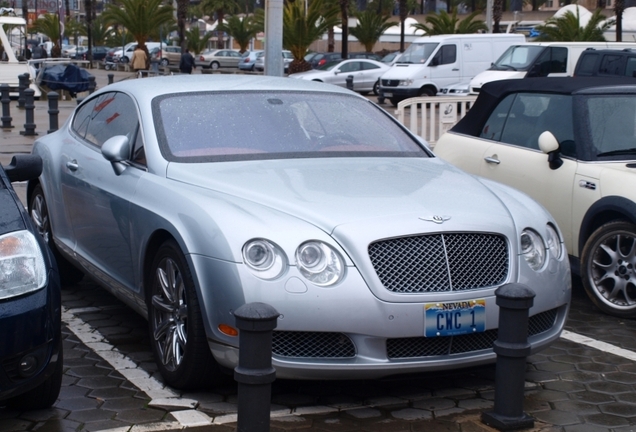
(607,209)
(154,242)
(429,88)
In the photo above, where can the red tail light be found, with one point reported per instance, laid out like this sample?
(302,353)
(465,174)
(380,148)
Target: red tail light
(322,62)
(201,58)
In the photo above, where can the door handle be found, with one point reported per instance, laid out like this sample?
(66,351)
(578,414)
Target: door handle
(456,69)
(72,165)
(492,159)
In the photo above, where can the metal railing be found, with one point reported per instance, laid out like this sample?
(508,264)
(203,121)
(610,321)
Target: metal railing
(430,116)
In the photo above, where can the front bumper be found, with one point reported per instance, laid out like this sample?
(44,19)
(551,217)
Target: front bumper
(347,332)
(398,92)
(31,328)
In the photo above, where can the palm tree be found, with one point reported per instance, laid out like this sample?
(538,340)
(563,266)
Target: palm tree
(196,42)
(119,37)
(220,7)
(370,27)
(141,18)
(568,27)
(99,31)
(242,29)
(446,23)
(300,30)
(49,25)
(182,11)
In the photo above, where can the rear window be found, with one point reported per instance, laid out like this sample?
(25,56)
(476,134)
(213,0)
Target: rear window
(586,65)
(275,125)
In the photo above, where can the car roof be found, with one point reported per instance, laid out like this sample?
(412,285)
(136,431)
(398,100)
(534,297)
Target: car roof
(147,89)
(491,93)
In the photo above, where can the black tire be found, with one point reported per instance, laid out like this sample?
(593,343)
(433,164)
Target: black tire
(395,101)
(608,268)
(124,59)
(39,211)
(164,62)
(44,395)
(215,65)
(376,88)
(426,91)
(175,320)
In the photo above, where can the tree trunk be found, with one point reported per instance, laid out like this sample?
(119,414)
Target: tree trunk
(344,12)
(182,12)
(403,15)
(331,40)
(220,43)
(619,7)
(496,15)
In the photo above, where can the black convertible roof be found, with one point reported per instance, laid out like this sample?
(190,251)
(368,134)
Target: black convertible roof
(491,93)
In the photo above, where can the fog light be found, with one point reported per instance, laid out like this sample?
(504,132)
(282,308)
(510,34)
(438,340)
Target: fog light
(28,366)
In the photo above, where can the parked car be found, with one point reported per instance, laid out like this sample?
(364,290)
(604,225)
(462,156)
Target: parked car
(391,58)
(606,63)
(68,50)
(30,300)
(247,60)
(259,63)
(366,74)
(129,49)
(300,195)
(321,59)
(99,53)
(217,58)
(170,55)
(457,89)
(570,143)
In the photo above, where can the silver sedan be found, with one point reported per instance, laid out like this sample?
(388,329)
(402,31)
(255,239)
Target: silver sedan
(218,58)
(365,73)
(188,197)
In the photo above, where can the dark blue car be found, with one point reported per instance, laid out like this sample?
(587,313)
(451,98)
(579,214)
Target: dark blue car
(30,301)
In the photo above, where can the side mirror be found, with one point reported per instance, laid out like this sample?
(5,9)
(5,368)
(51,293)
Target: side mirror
(336,72)
(434,61)
(549,145)
(116,150)
(24,167)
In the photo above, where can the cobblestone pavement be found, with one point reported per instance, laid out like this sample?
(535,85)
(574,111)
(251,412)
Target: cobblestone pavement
(585,382)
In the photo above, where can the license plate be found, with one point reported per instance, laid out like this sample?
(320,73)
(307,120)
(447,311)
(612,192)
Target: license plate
(387,94)
(454,318)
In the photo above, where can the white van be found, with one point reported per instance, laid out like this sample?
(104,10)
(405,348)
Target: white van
(130,48)
(432,62)
(539,59)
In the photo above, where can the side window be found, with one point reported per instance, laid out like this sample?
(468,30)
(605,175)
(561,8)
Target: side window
(113,114)
(630,68)
(586,64)
(83,117)
(369,66)
(350,67)
(495,123)
(448,54)
(610,65)
(559,60)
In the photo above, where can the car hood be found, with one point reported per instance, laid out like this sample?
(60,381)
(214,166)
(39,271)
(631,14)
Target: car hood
(396,194)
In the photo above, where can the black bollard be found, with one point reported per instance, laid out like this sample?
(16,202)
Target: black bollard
(53,98)
(110,78)
(350,82)
(29,106)
(255,372)
(512,348)
(23,84)
(92,85)
(6,106)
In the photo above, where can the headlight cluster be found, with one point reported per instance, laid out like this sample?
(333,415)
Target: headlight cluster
(318,262)
(535,250)
(406,82)
(22,267)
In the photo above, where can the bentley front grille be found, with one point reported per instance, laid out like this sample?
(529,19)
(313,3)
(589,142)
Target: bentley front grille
(312,345)
(446,345)
(440,262)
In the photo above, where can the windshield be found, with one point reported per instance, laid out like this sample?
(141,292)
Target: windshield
(275,125)
(417,53)
(518,58)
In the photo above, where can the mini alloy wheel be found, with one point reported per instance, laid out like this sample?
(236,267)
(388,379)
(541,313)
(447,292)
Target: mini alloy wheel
(608,268)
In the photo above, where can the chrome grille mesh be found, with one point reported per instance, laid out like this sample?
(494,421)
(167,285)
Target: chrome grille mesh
(440,262)
(312,345)
(426,347)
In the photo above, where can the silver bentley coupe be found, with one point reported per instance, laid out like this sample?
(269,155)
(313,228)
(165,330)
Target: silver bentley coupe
(189,196)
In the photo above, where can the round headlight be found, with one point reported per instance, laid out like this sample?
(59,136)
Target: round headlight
(532,249)
(554,242)
(264,258)
(319,263)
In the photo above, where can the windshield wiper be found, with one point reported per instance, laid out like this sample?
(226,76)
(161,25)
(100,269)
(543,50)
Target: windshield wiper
(618,152)
(506,67)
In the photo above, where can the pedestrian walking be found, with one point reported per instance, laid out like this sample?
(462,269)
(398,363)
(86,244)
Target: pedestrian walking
(186,64)
(139,59)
